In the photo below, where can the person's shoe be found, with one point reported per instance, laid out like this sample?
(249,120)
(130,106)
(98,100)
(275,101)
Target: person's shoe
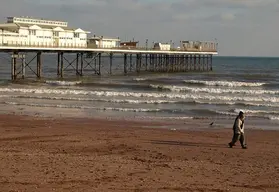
(244,147)
(230,145)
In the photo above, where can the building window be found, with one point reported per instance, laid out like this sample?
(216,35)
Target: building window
(76,35)
(32,32)
(56,34)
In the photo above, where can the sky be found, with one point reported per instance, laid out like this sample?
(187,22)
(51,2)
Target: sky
(241,27)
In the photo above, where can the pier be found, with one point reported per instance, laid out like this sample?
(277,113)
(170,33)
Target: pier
(22,37)
(134,60)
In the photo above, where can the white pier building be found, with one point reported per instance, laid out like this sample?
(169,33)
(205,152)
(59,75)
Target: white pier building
(26,31)
(162,46)
(103,42)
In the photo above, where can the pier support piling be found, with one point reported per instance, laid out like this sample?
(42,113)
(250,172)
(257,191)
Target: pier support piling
(110,63)
(95,64)
(23,67)
(100,64)
(210,63)
(58,64)
(13,67)
(81,64)
(138,63)
(131,62)
(125,64)
(62,65)
(77,64)
(18,69)
(39,64)
(146,62)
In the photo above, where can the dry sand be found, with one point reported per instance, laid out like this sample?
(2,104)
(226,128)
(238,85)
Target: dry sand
(99,155)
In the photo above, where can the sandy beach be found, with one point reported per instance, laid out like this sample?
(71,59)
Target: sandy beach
(104,155)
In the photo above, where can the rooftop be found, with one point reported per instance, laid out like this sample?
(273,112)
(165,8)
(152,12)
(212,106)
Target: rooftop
(30,20)
(104,38)
(12,26)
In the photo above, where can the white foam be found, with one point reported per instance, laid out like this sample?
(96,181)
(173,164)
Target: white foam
(251,113)
(224,113)
(136,101)
(225,83)
(248,111)
(139,79)
(145,95)
(91,99)
(276,118)
(85,107)
(170,118)
(63,83)
(238,103)
(175,88)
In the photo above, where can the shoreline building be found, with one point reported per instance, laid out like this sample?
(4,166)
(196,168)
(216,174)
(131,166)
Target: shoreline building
(198,46)
(129,44)
(162,46)
(27,31)
(103,42)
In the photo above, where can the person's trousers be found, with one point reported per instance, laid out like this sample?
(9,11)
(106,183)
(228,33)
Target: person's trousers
(239,137)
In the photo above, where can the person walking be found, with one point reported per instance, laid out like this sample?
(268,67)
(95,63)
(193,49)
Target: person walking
(238,131)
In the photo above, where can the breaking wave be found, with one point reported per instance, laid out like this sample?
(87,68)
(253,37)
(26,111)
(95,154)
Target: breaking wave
(96,99)
(275,118)
(146,110)
(140,79)
(224,83)
(84,107)
(171,111)
(254,98)
(136,101)
(202,113)
(175,88)
(251,112)
(63,83)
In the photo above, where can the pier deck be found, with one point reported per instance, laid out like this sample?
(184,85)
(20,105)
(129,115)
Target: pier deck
(102,50)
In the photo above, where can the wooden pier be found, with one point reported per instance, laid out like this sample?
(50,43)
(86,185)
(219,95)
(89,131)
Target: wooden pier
(136,60)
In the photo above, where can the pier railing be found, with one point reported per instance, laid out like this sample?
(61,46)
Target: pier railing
(88,46)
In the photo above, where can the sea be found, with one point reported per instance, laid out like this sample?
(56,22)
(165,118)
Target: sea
(248,84)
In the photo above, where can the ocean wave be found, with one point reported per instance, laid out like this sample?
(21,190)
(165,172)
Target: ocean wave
(140,79)
(95,99)
(175,88)
(250,112)
(172,118)
(146,110)
(224,83)
(237,103)
(200,112)
(83,107)
(136,101)
(146,95)
(63,83)
(271,115)
(196,113)
(275,118)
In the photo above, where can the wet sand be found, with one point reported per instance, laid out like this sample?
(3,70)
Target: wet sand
(100,155)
